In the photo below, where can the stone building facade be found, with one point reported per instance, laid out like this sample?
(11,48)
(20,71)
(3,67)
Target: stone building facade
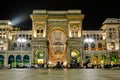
(58,36)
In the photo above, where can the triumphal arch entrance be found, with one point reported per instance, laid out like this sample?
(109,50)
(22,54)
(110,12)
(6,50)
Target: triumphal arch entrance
(57,37)
(57,45)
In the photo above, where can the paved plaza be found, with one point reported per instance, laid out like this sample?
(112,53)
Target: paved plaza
(63,74)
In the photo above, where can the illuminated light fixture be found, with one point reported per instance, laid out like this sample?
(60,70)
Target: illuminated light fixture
(65,63)
(102,61)
(40,61)
(89,40)
(9,23)
(49,62)
(21,40)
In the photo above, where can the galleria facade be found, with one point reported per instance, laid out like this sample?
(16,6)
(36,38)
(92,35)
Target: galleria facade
(59,36)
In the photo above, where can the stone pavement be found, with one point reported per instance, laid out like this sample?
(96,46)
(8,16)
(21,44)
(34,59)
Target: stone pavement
(64,74)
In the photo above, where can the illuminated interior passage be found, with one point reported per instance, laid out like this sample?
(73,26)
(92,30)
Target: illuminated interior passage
(39,55)
(113,59)
(57,47)
(75,56)
(18,59)
(11,61)
(103,59)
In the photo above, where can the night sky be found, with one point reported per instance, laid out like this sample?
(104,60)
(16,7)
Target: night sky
(96,11)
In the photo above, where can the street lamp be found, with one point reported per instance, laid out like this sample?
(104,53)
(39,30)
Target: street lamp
(21,40)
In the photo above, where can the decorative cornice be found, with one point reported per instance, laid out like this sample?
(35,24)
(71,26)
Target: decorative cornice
(76,17)
(38,17)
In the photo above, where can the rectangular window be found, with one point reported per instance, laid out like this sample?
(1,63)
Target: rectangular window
(41,31)
(38,31)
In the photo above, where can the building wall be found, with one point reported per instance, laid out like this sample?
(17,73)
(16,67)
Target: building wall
(56,24)
(59,36)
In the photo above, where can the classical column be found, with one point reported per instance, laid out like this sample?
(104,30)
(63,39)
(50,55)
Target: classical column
(46,55)
(6,60)
(68,55)
(108,57)
(33,56)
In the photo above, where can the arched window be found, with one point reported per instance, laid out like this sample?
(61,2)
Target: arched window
(1,60)
(23,35)
(40,54)
(113,29)
(41,31)
(110,35)
(94,36)
(18,58)
(20,35)
(91,36)
(113,35)
(14,44)
(28,45)
(83,36)
(99,45)
(92,45)
(26,58)
(112,45)
(97,36)
(101,37)
(86,45)
(110,29)
(26,35)
(87,36)
(11,58)
(38,30)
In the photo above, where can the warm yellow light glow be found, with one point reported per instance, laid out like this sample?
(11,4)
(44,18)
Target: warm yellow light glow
(103,37)
(35,35)
(65,63)
(94,62)
(49,62)
(79,33)
(43,34)
(74,54)
(70,33)
(102,62)
(10,37)
(40,61)
(112,63)
(117,47)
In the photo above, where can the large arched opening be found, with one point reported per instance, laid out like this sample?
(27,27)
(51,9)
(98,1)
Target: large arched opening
(26,61)
(11,61)
(57,46)
(39,57)
(1,60)
(19,61)
(113,59)
(75,58)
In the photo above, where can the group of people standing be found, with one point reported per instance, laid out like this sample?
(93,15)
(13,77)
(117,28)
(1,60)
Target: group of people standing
(59,65)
